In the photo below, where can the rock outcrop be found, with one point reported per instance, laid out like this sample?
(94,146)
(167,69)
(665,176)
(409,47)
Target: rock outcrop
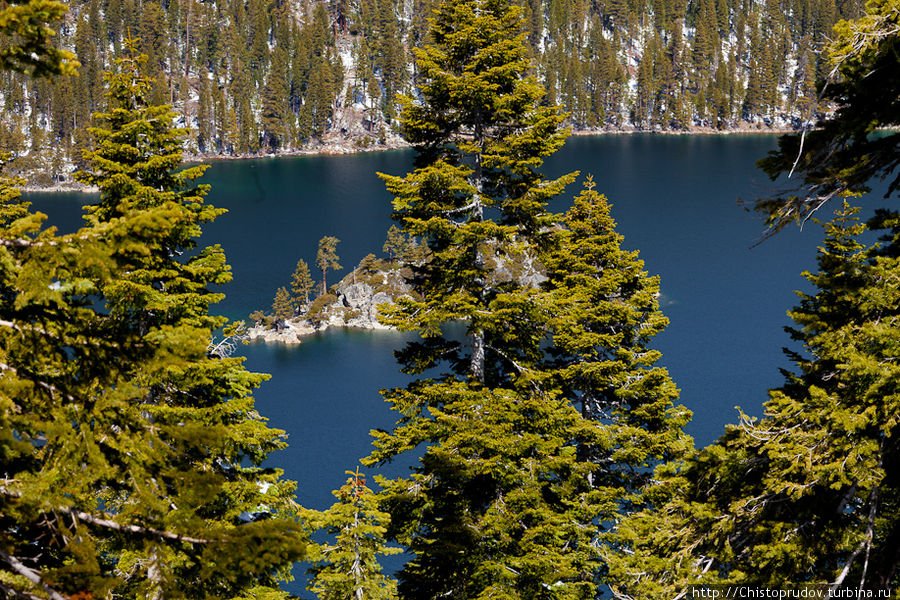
(354,302)
(357,300)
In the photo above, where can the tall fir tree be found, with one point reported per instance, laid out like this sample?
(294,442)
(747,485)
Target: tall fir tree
(302,283)
(500,504)
(346,568)
(606,314)
(805,494)
(131,447)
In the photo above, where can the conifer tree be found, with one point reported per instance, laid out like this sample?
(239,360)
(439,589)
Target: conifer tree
(131,447)
(302,282)
(347,568)
(274,117)
(805,494)
(500,504)
(482,108)
(282,306)
(396,244)
(327,258)
(607,312)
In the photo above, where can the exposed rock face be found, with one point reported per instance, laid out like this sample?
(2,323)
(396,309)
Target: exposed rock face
(290,334)
(355,300)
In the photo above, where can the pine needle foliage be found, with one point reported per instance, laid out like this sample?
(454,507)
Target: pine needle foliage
(347,568)
(807,493)
(28,43)
(606,313)
(131,452)
(506,500)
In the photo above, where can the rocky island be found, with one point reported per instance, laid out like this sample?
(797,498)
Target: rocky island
(352,302)
(358,299)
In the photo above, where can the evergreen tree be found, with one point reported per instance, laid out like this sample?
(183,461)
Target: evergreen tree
(282,307)
(348,568)
(500,504)
(607,313)
(396,244)
(327,258)
(805,494)
(274,117)
(130,446)
(302,283)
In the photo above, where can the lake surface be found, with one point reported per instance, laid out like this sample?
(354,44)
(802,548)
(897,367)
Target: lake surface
(674,198)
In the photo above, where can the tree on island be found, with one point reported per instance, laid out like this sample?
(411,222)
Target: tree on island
(282,307)
(302,283)
(327,258)
(396,244)
(131,453)
(503,502)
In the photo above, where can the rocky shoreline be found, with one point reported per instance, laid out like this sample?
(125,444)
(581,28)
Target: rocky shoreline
(356,302)
(336,145)
(360,298)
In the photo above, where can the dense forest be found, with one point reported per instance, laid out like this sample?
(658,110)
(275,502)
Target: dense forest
(258,76)
(549,447)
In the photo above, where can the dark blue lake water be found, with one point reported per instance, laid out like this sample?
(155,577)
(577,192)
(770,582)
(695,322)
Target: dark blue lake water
(674,197)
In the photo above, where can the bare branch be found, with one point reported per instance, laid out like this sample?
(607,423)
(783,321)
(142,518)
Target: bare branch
(110,524)
(114,525)
(14,593)
(30,574)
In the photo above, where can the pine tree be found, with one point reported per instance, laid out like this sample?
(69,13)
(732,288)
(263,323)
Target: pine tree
(396,244)
(348,568)
(206,121)
(274,115)
(302,283)
(607,313)
(131,448)
(805,494)
(500,504)
(327,258)
(283,307)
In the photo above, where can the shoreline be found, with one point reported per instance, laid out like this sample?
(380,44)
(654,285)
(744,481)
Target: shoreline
(331,148)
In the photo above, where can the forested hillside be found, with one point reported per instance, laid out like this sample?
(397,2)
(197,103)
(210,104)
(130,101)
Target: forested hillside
(255,76)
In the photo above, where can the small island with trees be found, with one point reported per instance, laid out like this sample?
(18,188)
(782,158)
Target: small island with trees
(550,459)
(305,306)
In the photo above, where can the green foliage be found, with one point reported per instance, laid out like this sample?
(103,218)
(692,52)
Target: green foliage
(317,313)
(805,494)
(507,499)
(347,567)
(131,448)
(605,314)
(283,305)
(257,317)
(301,282)
(268,81)
(846,152)
(28,39)
(327,258)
